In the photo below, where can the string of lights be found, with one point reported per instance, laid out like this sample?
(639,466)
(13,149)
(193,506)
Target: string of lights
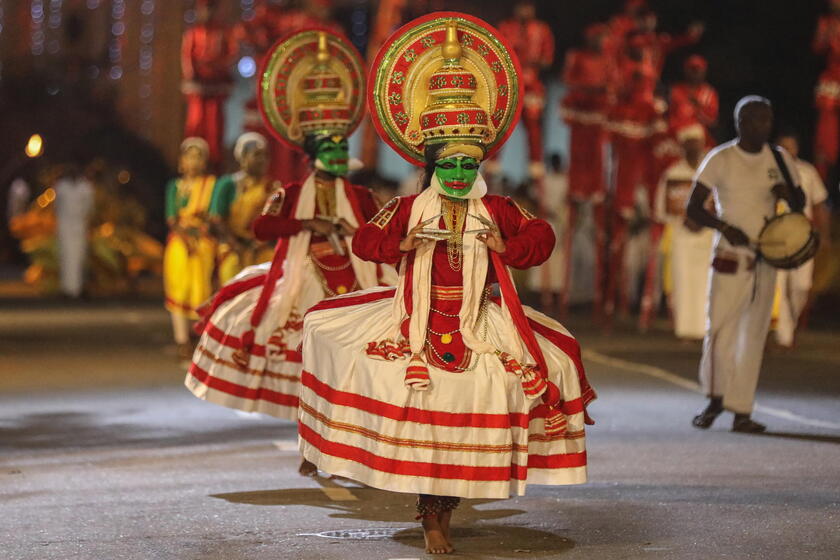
(54,26)
(147,36)
(2,24)
(247,9)
(36,16)
(117,36)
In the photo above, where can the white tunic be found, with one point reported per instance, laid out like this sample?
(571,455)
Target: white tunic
(691,252)
(551,275)
(742,185)
(795,285)
(741,291)
(73,207)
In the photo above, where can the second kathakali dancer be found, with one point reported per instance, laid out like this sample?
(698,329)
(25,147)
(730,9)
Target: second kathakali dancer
(312,97)
(436,387)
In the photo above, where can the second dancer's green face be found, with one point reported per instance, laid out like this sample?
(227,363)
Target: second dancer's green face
(457,175)
(333,154)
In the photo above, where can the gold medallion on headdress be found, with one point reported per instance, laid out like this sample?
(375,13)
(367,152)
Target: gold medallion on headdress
(312,82)
(447,78)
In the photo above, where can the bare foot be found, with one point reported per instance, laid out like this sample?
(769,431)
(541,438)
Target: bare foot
(435,541)
(444,519)
(307,469)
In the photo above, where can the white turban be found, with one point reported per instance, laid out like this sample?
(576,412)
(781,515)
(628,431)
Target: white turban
(199,144)
(247,142)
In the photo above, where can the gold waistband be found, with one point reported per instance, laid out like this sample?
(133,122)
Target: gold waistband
(320,249)
(454,293)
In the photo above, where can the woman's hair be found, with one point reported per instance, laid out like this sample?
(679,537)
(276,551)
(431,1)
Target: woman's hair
(430,154)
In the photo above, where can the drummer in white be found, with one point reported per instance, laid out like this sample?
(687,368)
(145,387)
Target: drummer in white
(746,180)
(795,285)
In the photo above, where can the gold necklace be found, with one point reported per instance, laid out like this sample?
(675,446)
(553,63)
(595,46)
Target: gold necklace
(454,216)
(325,197)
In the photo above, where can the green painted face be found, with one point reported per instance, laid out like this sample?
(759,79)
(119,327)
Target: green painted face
(456,175)
(332,153)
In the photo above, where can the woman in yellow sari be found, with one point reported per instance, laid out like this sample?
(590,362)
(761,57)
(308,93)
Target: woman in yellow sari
(190,252)
(237,200)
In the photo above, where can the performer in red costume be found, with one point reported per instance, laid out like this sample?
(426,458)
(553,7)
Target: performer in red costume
(660,45)
(206,55)
(694,101)
(248,356)
(631,124)
(435,387)
(623,24)
(827,43)
(589,75)
(533,42)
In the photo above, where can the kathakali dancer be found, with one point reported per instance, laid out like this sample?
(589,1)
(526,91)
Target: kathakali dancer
(237,201)
(311,95)
(437,387)
(190,251)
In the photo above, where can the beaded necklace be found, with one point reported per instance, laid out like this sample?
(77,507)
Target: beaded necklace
(454,216)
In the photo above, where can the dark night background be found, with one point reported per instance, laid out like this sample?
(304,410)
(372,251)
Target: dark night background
(753,47)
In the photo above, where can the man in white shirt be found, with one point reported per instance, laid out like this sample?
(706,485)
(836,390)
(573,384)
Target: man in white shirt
(549,279)
(746,180)
(73,207)
(794,286)
(690,245)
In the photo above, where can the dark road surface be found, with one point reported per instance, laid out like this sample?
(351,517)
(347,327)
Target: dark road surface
(104,455)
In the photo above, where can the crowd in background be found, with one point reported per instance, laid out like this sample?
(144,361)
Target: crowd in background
(618,201)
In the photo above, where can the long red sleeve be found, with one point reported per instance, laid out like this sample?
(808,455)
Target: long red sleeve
(529,240)
(366,202)
(379,240)
(277,219)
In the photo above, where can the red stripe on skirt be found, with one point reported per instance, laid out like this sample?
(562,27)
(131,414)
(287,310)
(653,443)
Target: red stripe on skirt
(235,343)
(231,341)
(438,470)
(258,394)
(345,301)
(408,414)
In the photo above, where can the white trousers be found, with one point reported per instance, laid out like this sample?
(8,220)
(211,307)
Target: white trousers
(794,287)
(691,255)
(739,310)
(72,254)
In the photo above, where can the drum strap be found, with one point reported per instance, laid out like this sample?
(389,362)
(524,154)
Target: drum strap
(794,188)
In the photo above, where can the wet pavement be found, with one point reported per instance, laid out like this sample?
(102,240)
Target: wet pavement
(104,455)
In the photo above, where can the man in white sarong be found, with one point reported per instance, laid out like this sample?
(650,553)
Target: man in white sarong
(690,245)
(794,286)
(73,206)
(747,180)
(550,278)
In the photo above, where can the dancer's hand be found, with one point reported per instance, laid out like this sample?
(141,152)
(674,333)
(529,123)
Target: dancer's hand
(493,240)
(411,241)
(344,228)
(321,227)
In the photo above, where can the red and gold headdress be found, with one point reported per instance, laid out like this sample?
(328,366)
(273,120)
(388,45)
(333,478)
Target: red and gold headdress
(445,78)
(311,82)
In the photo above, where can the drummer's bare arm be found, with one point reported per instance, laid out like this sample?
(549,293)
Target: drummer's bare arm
(697,212)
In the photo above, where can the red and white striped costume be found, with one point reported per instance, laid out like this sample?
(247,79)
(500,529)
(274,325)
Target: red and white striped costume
(479,429)
(248,357)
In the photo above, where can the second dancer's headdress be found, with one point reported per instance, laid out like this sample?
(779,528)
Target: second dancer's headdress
(311,83)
